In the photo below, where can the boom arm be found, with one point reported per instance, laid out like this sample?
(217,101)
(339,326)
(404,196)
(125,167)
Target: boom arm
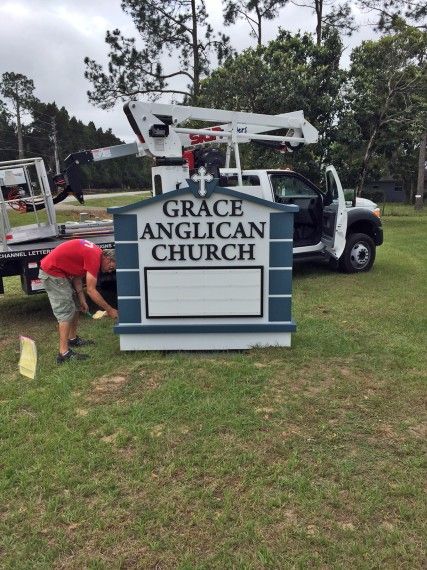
(76,159)
(161,136)
(157,127)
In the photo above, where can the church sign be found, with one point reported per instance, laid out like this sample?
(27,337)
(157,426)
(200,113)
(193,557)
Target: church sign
(203,268)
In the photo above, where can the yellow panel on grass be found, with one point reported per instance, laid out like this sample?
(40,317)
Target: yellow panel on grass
(28,358)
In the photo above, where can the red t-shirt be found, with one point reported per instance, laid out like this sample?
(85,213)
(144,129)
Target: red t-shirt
(73,259)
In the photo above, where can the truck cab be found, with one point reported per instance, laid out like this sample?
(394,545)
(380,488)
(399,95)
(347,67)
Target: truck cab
(325,225)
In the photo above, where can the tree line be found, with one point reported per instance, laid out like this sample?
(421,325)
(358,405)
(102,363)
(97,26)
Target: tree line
(371,117)
(30,128)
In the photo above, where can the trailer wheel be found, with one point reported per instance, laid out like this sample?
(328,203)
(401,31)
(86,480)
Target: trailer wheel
(359,254)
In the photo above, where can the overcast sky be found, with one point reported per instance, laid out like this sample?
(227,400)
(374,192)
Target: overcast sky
(47,40)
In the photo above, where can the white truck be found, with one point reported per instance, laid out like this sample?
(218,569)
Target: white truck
(325,226)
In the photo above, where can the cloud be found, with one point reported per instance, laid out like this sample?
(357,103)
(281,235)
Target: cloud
(47,40)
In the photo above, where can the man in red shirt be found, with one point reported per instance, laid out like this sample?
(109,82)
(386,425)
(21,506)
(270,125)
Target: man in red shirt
(62,272)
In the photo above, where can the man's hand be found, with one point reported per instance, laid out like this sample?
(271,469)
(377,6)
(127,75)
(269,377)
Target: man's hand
(97,297)
(112,313)
(84,307)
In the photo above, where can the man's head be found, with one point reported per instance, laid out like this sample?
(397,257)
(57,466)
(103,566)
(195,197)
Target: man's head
(108,261)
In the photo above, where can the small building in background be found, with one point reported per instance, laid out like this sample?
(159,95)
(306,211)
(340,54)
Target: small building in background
(385,190)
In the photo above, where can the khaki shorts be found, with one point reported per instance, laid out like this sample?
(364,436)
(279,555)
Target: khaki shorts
(62,297)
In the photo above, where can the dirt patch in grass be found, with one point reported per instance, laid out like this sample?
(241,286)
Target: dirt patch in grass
(157,430)
(129,552)
(346,372)
(346,525)
(137,381)
(322,386)
(5,342)
(265,410)
(320,377)
(127,453)
(102,389)
(112,438)
(419,431)
(291,431)
(121,542)
(151,380)
(387,432)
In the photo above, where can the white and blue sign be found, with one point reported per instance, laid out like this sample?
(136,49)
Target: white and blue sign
(204,268)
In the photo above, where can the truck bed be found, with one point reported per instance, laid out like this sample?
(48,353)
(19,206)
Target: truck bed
(42,247)
(24,258)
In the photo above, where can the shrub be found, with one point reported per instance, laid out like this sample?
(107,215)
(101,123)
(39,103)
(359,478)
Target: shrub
(374,195)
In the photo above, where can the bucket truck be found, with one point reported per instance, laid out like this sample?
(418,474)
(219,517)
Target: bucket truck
(325,225)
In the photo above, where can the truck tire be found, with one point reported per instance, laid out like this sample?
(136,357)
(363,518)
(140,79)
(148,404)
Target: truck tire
(359,254)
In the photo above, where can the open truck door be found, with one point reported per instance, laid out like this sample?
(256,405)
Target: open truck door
(334,222)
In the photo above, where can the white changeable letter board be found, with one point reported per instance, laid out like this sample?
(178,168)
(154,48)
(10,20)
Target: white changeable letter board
(204,292)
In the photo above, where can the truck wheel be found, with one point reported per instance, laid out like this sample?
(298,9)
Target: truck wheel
(359,254)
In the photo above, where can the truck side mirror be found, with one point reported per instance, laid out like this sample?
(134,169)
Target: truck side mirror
(350,196)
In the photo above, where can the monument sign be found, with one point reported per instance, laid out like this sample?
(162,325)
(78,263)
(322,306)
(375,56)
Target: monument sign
(204,268)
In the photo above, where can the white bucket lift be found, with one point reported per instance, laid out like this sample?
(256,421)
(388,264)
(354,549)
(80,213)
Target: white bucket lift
(39,199)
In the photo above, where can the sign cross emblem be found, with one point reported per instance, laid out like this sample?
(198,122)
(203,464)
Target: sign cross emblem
(202,177)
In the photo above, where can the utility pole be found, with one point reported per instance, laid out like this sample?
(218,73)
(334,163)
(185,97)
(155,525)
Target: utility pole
(19,130)
(55,147)
(419,202)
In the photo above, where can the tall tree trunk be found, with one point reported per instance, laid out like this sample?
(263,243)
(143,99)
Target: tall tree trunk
(370,146)
(411,192)
(419,202)
(319,13)
(55,147)
(19,131)
(196,58)
(259,25)
(365,163)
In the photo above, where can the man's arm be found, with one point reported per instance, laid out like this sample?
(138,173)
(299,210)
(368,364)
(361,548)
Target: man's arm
(78,288)
(97,298)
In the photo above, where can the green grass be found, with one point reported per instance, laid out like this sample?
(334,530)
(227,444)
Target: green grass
(113,200)
(395,209)
(309,457)
(17,219)
(20,219)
